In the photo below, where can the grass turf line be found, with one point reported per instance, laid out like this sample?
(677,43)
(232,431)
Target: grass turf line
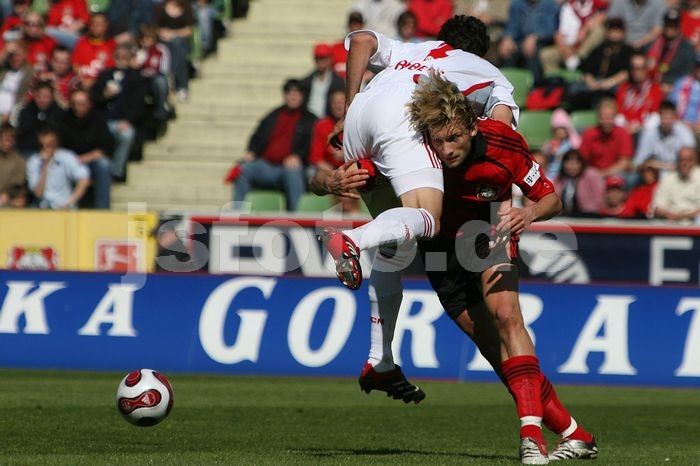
(70,418)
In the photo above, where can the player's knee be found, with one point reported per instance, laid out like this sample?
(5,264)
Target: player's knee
(508,319)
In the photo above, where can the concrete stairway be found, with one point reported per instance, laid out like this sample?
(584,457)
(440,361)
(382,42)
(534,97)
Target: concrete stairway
(184,170)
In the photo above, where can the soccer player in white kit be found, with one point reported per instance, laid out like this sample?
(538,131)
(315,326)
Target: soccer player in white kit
(377,127)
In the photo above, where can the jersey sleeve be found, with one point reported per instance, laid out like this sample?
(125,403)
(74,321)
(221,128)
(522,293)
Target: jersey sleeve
(386,48)
(529,176)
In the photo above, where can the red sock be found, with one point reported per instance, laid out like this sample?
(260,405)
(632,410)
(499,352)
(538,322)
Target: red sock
(557,418)
(525,381)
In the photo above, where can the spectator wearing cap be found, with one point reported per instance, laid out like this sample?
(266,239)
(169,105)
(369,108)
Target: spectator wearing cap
(278,149)
(94,51)
(321,83)
(670,56)
(12,165)
(579,186)
(643,19)
(662,142)
(638,204)
(580,31)
(66,21)
(85,132)
(686,96)
(55,175)
(339,56)
(430,15)
(639,97)
(380,15)
(606,147)
(604,69)
(531,26)
(40,112)
(678,196)
(615,197)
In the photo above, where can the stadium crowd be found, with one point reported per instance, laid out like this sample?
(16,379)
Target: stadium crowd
(618,83)
(83,83)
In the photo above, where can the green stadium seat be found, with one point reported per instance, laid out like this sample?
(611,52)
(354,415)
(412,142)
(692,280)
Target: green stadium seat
(522,83)
(568,75)
(266,201)
(98,6)
(40,6)
(312,203)
(535,126)
(582,119)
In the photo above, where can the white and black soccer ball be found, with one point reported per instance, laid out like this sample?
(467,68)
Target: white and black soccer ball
(144,397)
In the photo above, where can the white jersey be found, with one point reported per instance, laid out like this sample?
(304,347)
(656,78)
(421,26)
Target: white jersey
(404,63)
(377,123)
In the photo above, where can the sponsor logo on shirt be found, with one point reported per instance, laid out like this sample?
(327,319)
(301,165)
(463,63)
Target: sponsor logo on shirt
(533,175)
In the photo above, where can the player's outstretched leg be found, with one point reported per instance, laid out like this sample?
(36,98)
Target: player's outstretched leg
(346,255)
(394,226)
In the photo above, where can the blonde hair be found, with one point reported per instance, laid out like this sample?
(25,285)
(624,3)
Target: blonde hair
(437,103)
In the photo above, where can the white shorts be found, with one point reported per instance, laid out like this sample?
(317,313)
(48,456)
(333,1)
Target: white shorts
(377,127)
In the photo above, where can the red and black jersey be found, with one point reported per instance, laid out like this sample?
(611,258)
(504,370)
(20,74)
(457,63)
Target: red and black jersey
(499,158)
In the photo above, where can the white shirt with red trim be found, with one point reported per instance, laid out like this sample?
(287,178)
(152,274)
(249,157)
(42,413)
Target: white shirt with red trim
(404,63)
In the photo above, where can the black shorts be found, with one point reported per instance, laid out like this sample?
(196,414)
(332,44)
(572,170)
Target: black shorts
(455,279)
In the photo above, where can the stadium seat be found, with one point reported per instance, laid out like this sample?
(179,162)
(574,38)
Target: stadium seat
(522,83)
(96,6)
(266,201)
(315,204)
(583,119)
(535,127)
(40,6)
(568,75)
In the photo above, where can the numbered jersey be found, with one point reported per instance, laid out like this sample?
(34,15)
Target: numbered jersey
(404,63)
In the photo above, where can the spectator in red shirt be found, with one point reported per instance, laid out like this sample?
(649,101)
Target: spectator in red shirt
(153,59)
(690,23)
(39,45)
(430,15)
(94,51)
(339,56)
(639,97)
(615,196)
(638,203)
(607,147)
(67,20)
(61,76)
(278,149)
(11,28)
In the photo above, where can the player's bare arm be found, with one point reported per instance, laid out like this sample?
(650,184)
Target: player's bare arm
(361,48)
(502,112)
(516,220)
(343,181)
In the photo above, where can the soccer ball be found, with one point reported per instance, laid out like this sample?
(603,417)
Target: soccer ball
(144,397)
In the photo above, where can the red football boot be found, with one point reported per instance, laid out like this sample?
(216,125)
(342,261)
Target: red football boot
(346,255)
(393,382)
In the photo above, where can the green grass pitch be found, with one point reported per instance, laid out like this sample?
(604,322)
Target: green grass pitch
(70,418)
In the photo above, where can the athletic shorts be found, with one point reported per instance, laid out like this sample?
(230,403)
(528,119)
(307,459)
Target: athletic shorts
(456,282)
(377,127)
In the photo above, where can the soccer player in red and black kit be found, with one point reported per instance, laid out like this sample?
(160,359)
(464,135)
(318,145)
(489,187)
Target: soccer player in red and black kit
(478,284)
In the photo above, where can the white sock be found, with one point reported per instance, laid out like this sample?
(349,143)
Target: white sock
(572,62)
(570,430)
(385,294)
(399,225)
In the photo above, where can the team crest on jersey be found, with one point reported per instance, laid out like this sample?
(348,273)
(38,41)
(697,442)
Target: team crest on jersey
(486,193)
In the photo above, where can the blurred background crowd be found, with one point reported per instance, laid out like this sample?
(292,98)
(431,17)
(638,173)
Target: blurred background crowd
(610,92)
